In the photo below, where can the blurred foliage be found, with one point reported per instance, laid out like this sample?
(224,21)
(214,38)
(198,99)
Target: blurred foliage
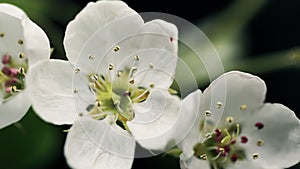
(247,34)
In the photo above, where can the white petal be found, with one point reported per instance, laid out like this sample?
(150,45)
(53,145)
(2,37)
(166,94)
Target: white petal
(96,144)
(36,43)
(232,90)
(193,163)
(104,18)
(190,118)
(50,85)
(17,26)
(14,109)
(153,118)
(280,134)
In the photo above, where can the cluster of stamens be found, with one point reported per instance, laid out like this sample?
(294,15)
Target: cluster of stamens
(116,92)
(224,145)
(12,75)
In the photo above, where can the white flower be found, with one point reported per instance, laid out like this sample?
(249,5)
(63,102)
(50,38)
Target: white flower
(113,89)
(235,129)
(22,45)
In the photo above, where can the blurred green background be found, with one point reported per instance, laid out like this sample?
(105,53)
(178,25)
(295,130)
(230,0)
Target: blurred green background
(258,36)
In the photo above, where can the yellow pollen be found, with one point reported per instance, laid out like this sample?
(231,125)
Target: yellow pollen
(219,105)
(207,113)
(116,48)
(243,107)
(229,119)
(20,42)
(91,57)
(260,143)
(255,156)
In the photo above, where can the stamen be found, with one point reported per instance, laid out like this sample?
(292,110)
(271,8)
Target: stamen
(221,151)
(203,157)
(244,139)
(219,104)
(116,48)
(151,85)
(91,57)
(94,77)
(77,70)
(6,59)
(259,125)
(260,143)
(14,89)
(208,136)
(151,66)
(119,73)
(229,119)
(218,132)
(92,85)
(20,42)
(131,81)
(21,55)
(234,158)
(136,58)
(75,90)
(111,67)
(243,107)
(21,70)
(227,139)
(255,156)
(98,103)
(207,113)
(2,34)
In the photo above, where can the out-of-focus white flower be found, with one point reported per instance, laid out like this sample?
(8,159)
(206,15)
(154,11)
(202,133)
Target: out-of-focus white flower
(235,129)
(113,89)
(22,45)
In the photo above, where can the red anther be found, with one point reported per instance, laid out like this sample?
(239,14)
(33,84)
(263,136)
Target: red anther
(244,139)
(218,132)
(6,71)
(233,141)
(6,59)
(234,158)
(14,71)
(259,125)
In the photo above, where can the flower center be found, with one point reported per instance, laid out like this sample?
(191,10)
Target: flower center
(12,75)
(116,96)
(221,147)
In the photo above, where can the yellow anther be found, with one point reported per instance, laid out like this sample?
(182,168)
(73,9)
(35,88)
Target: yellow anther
(260,143)
(91,57)
(207,113)
(136,58)
(21,70)
(219,105)
(203,157)
(94,77)
(21,55)
(111,67)
(14,89)
(116,48)
(20,42)
(119,73)
(131,81)
(255,156)
(151,66)
(77,70)
(152,85)
(229,119)
(243,107)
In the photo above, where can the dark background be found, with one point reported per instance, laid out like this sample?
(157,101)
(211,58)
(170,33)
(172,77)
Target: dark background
(275,27)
